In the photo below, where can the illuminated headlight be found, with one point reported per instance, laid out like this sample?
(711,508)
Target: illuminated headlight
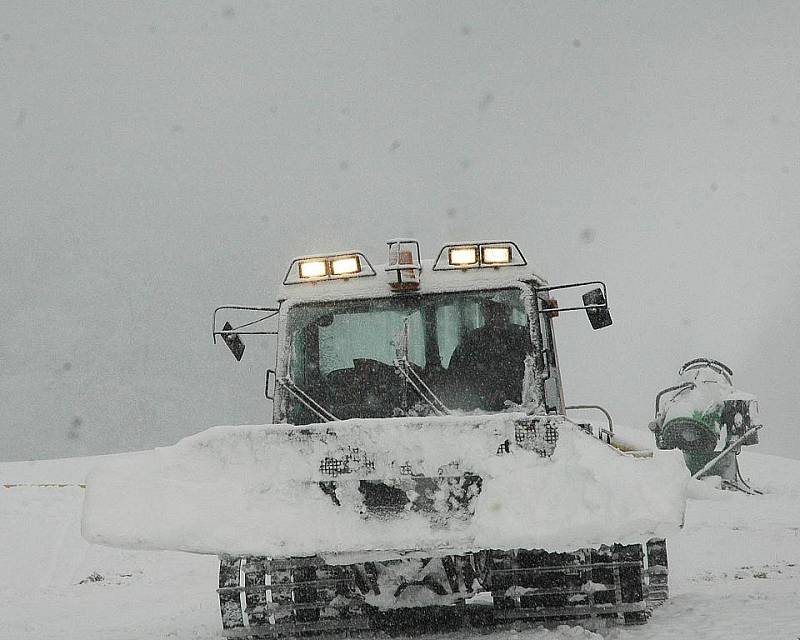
(463,256)
(343,266)
(495,255)
(313,269)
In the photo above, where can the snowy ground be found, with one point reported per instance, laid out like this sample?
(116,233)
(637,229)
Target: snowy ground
(735,568)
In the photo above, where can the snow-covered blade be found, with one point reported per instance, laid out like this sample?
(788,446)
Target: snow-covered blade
(279,490)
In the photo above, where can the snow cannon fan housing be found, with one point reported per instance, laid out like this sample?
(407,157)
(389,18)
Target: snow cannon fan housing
(704,411)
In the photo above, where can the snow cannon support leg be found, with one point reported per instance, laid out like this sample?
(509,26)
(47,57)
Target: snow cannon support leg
(726,467)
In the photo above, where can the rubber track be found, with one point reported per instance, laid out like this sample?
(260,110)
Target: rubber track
(657,572)
(302,597)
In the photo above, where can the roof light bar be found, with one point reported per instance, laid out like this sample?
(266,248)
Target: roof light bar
(309,269)
(471,255)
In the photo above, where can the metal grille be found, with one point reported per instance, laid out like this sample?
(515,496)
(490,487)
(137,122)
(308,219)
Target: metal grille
(333,466)
(353,461)
(540,436)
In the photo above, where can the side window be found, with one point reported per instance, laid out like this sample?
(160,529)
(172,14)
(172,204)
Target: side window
(298,356)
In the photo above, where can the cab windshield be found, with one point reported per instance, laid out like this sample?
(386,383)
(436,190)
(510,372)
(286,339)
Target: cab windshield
(371,358)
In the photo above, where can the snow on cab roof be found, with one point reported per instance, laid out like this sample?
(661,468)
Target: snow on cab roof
(431,281)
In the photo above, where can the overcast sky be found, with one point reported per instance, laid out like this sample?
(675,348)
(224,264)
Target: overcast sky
(157,160)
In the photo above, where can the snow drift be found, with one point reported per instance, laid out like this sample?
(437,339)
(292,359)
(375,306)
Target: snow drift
(255,490)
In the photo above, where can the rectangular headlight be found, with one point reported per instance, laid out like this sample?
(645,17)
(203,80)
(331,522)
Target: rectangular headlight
(313,268)
(463,256)
(343,266)
(495,255)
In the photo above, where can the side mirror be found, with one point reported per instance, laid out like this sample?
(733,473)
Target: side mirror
(233,341)
(597,312)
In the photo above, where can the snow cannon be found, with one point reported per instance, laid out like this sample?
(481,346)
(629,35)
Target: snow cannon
(708,419)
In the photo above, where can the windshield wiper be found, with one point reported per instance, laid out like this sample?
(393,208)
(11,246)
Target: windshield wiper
(422,389)
(403,365)
(305,399)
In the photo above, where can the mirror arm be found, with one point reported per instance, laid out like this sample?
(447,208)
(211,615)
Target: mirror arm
(560,309)
(271,311)
(571,286)
(244,333)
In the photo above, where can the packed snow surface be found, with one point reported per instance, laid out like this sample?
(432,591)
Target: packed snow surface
(254,490)
(734,568)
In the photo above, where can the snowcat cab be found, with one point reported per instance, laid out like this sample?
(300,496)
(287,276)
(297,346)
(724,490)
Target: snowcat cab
(462,337)
(469,333)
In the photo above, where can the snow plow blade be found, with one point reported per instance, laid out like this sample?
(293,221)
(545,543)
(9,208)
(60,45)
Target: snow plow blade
(410,523)
(370,489)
